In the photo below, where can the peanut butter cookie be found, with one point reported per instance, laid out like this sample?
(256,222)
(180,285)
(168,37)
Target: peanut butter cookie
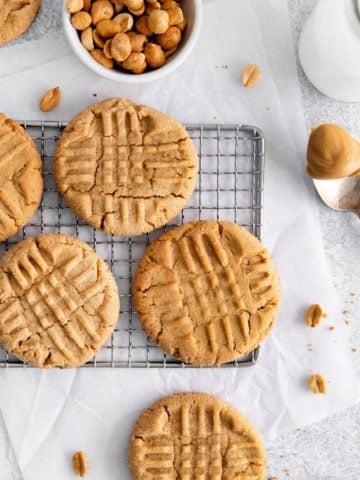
(59,302)
(16,16)
(193,436)
(21,177)
(125,168)
(207,292)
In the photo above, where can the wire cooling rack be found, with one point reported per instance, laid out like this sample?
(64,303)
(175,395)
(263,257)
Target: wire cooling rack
(229,187)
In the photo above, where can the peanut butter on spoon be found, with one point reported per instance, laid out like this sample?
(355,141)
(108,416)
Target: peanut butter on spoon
(332,153)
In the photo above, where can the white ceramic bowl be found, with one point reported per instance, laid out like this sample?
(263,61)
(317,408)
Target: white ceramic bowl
(193,13)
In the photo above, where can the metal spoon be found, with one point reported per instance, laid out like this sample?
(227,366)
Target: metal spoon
(341,193)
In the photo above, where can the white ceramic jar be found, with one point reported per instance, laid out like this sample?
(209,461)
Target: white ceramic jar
(329,49)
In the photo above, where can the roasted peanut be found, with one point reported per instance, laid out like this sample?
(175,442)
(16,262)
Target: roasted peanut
(251,75)
(101,10)
(99,56)
(118,5)
(135,62)
(80,464)
(87,5)
(317,383)
(182,25)
(176,15)
(170,39)
(107,48)
(154,55)
(50,100)
(158,21)
(73,6)
(99,24)
(99,42)
(137,41)
(86,38)
(108,28)
(152,6)
(142,25)
(134,4)
(313,315)
(120,47)
(81,20)
(137,12)
(125,20)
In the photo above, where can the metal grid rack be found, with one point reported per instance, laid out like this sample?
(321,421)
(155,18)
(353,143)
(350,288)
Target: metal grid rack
(229,187)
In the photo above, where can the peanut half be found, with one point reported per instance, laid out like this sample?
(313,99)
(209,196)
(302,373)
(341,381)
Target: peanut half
(251,75)
(50,99)
(80,464)
(314,315)
(317,383)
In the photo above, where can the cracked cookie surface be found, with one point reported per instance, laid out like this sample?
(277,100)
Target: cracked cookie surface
(207,292)
(21,177)
(16,16)
(59,302)
(195,436)
(125,168)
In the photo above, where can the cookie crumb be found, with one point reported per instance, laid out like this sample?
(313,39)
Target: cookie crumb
(332,328)
(273,478)
(347,322)
(345,312)
(353,349)
(94,94)
(80,464)
(317,383)
(352,294)
(287,471)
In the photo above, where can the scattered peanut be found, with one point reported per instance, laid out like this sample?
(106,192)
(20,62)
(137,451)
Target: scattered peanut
(251,75)
(50,100)
(314,315)
(317,383)
(113,30)
(80,464)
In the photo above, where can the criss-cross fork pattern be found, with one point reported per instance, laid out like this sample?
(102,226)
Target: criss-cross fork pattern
(197,443)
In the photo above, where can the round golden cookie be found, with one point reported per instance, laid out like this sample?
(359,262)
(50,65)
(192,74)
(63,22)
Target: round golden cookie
(207,292)
(59,302)
(193,436)
(21,177)
(125,168)
(16,16)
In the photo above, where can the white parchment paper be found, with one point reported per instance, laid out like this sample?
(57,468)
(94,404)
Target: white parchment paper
(53,413)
